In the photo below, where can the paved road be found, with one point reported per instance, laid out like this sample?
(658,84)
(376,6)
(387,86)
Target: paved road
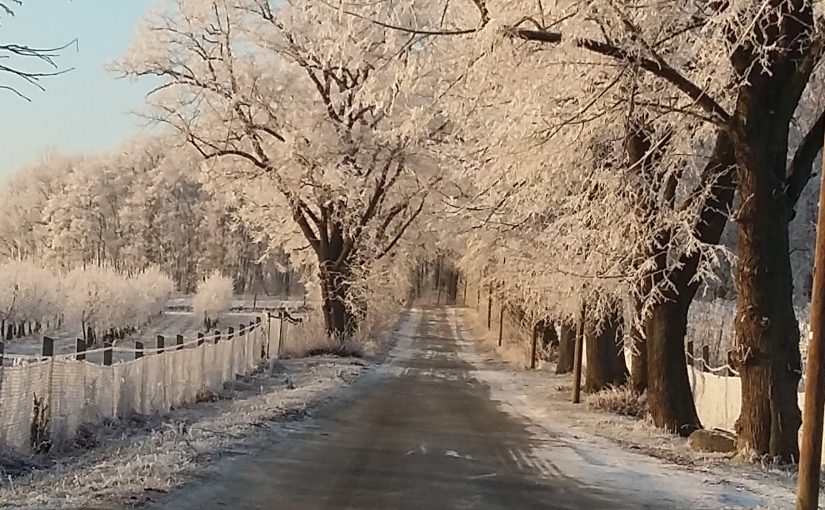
(418,434)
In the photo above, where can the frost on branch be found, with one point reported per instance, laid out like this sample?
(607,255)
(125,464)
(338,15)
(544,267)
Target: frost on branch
(317,123)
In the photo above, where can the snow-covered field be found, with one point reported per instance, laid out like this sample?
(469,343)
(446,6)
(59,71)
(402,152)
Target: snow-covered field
(617,451)
(130,462)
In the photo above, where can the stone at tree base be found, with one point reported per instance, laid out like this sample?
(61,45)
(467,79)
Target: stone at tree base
(712,441)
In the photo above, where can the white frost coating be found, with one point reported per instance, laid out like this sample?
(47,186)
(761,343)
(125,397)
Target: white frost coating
(28,292)
(101,298)
(214,296)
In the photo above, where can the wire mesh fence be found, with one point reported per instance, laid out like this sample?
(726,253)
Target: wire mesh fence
(44,400)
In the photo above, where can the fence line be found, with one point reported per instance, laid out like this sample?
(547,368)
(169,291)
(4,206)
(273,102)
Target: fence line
(45,401)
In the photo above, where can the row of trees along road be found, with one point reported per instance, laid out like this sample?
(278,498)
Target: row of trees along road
(613,142)
(575,156)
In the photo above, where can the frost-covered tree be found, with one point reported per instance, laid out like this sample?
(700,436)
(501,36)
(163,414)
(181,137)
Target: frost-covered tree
(306,114)
(740,70)
(28,295)
(587,190)
(102,302)
(156,288)
(141,205)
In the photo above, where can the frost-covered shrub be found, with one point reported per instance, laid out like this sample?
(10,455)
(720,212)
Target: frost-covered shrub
(28,292)
(620,400)
(102,300)
(90,298)
(214,296)
(156,288)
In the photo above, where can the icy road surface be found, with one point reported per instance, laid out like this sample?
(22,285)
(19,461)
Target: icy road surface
(430,430)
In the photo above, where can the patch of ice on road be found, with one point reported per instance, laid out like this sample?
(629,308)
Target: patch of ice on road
(482,477)
(454,454)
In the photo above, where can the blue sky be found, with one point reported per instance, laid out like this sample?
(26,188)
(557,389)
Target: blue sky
(87,109)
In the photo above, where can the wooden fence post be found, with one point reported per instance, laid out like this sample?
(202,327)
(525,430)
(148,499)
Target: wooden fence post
(230,332)
(138,350)
(217,336)
(281,323)
(200,339)
(533,349)
(80,349)
(2,352)
(438,281)
(500,324)
(489,308)
(107,353)
(161,344)
(48,346)
(577,357)
(705,358)
(179,342)
(242,329)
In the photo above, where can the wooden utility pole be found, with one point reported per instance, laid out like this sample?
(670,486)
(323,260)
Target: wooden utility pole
(577,357)
(489,305)
(810,455)
(438,281)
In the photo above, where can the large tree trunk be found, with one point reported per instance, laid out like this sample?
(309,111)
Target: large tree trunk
(605,355)
(338,318)
(335,287)
(767,333)
(567,345)
(669,396)
(549,336)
